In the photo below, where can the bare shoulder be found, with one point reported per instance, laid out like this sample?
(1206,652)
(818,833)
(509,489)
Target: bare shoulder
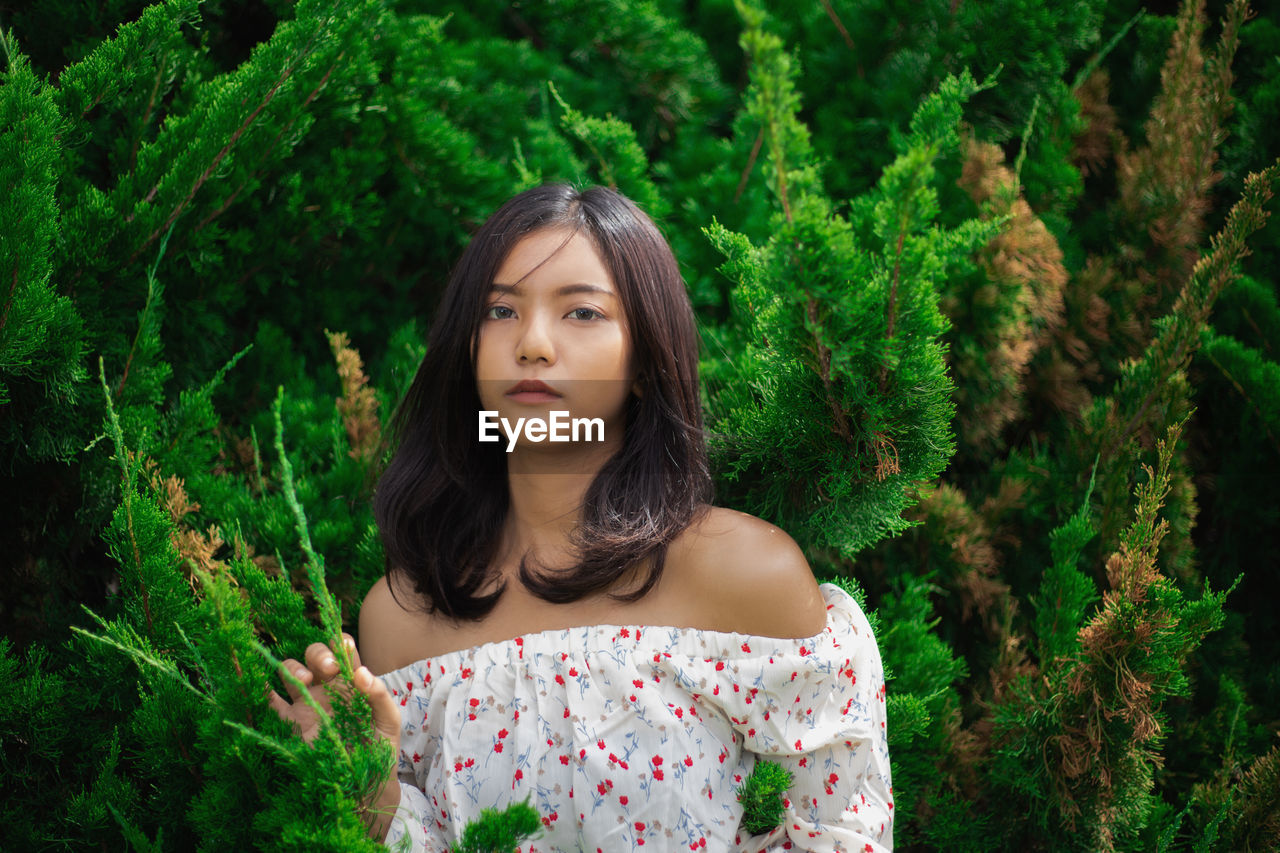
(750,576)
(385,625)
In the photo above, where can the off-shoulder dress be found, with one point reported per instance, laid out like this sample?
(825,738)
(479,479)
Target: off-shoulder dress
(630,737)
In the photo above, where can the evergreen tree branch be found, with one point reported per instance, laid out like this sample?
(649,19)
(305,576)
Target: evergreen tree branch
(1144,381)
(126,489)
(835,19)
(330,613)
(234,194)
(309,45)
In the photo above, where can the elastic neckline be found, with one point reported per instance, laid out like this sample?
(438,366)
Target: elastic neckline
(538,638)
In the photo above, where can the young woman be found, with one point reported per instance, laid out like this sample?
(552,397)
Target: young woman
(570,621)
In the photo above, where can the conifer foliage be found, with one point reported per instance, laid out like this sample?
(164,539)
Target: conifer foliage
(968,338)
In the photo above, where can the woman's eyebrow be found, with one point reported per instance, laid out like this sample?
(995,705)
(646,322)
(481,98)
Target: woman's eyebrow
(566,290)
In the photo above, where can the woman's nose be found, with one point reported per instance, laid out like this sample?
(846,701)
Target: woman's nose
(535,343)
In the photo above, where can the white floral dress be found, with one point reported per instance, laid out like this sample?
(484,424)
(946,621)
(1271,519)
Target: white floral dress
(638,737)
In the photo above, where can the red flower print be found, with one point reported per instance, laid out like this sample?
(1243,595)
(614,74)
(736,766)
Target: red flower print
(560,680)
(457,767)
(466,672)
(635,682)
(573,672)
(408,685)
(582,753)
(716,690)
(639,826)
(719,666)
(475,703)
(746,648)
(804,761)
(625,632)
(867,848)
(657,774)
(564,759)
(602,789)
(798,744)
(623,799)
(679,713)
(688,761)
(416,758)
(497,747)
(657,761)
(751,732)
(471,762)
(600,744)
(519,774)
(803,651)
(503,733)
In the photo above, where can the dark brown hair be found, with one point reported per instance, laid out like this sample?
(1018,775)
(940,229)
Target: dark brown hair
(442,501)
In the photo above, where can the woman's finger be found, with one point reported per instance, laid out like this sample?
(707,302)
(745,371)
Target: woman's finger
(386,711)
(277,703)
(320,660)
(350,643)
(300,672)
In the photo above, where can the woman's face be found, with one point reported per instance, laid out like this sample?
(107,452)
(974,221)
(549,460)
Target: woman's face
(554,316)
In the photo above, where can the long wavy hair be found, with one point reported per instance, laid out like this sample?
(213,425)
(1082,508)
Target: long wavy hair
(443,499)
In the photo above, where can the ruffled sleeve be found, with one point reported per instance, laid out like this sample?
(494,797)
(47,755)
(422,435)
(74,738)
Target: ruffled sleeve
(414,828)
(816,707)
(408,829)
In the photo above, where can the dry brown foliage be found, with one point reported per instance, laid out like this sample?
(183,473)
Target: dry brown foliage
(1020,302)
(1165,184)
(1094,147)
(1109,679)
(358,405)
(197,549)
(1259,801)
(976,566)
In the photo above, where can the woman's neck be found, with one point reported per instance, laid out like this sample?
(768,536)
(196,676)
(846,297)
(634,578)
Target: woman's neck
(546,489)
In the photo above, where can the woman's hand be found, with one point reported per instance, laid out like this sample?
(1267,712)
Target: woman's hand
(321,670)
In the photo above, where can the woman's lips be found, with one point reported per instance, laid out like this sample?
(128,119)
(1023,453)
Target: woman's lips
(532,392)
(533,397)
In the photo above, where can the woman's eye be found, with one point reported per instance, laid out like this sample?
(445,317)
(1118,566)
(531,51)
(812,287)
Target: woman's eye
(498,312)
(584,314)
